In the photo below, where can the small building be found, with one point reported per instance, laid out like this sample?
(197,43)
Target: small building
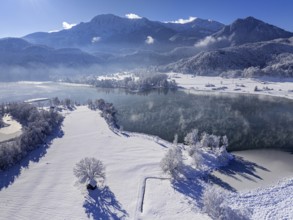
(92,185)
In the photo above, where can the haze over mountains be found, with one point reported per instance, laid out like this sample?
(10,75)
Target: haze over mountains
(111,43)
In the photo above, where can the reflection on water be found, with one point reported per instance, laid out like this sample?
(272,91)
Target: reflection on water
(248,121)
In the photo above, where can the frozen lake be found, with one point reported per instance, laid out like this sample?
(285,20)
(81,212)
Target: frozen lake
(256,168)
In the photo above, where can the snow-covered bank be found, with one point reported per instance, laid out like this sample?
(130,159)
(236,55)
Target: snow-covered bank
(265,86)
(11,130)
(274,202)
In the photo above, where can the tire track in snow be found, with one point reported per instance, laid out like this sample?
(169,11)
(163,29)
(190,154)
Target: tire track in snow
(141,193)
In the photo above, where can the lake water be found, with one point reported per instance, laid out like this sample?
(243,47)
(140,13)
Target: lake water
(249,121)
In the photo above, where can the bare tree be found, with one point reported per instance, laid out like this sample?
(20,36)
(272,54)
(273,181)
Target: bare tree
(89,169)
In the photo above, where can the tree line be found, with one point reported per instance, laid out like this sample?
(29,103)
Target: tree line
(108,111)
(37,125)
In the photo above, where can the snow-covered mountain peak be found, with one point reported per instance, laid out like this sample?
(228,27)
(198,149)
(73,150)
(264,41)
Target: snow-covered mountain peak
(249,30)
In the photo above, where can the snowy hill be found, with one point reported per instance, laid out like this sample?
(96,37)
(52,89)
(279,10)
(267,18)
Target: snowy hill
(264,58)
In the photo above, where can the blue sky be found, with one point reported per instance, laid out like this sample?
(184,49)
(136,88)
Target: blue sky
(21,17)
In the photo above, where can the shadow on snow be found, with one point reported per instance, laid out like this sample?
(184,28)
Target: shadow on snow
(193,182)
(244,168)
(102,204)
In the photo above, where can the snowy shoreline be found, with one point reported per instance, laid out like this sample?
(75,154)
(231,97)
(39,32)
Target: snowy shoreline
(276,87)
(11,131)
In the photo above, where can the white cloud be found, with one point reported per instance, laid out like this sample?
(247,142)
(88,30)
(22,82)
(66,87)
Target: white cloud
(96,39)
(67,26)
(208,41)
(132,16)
(183,21)
(150,40)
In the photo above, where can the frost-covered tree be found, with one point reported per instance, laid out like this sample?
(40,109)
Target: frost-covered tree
(89,169)
(222,155)
(214,141)
(215,204)
(225,141)
(68,103)
(209,141)
(216,145)
(192,137)
(172,161)
(198,159)
(204,141)
(175,141)
(56,101)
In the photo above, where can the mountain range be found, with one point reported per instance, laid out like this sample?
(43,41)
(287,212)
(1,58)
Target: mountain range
(113,43)
(112,33)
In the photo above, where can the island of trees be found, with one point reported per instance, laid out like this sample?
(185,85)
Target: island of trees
(143,82)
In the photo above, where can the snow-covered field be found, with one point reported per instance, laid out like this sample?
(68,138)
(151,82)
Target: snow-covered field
(266,86)
(162,201)
(45,187)
(11,130)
